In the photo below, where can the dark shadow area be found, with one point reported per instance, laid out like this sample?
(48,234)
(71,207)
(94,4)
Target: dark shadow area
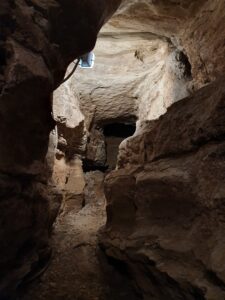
(118,277)
(90,166)
(122,130)
(214,279)
(103,146)
(114,134)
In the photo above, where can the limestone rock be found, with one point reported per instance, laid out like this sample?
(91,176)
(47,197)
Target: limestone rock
(94,192)
(136,76)
(68,176)
(38,39)
(194,27)
(95,156)
(165,213)
(69,120)
(202,39)
(163,17)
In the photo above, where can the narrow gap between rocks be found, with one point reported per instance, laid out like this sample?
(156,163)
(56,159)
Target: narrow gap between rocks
(77,267)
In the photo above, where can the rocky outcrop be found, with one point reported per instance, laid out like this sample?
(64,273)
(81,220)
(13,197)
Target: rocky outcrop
(167,225)
(195,27)
(69,121)
(38,40)
(67,173)
(136,76)
(165,203)
(161,17)
(203,40)
(95,156)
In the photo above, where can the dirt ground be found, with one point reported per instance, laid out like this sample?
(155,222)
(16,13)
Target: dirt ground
(75,271)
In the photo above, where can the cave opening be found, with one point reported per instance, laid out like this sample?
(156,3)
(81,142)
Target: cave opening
(109,136)
(120,130)
(114,134)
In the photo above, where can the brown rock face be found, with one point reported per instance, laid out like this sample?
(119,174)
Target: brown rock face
(165,224)
(168,225)
(165,202)
(196,27)
(203,39)
(38,39)
(126,82)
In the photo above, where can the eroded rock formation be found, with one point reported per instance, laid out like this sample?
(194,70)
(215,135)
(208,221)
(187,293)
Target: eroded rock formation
(195,27)
(126,83)
(38,40)
(165,201)
(165,222)
(167,225)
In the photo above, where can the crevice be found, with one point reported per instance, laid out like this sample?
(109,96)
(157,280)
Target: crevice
(214,279)
(182,57)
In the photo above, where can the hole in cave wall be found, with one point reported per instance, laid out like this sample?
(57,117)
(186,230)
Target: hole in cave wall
(188,68)
(114,134)
(121,130)
(109,137)
(184,65)
(89,166)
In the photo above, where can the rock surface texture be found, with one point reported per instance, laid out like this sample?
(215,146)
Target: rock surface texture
(165,231)
(165,202)
(38,39)
(167,225)
(75,272)
(137,75)
(195,27)
(78,270)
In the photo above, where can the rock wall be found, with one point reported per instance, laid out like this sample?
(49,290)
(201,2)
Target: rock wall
(203,40)
(166,227)
(67,173)
(194,27)
(38,40)
(136,76)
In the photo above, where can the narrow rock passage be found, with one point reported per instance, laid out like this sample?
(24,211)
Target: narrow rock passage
(75,272)
(78,270)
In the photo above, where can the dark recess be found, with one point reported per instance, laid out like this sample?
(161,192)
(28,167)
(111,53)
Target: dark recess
(188,69)
(122,130)
(89,166)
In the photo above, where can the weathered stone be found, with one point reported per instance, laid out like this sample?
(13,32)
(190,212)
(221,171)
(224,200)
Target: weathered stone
(165,213)
(95,156)
(69,120)
(38,40)
(195,27)
(136,76)
(166,200)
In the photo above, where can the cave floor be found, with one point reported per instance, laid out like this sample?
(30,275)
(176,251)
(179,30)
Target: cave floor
(78,270)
